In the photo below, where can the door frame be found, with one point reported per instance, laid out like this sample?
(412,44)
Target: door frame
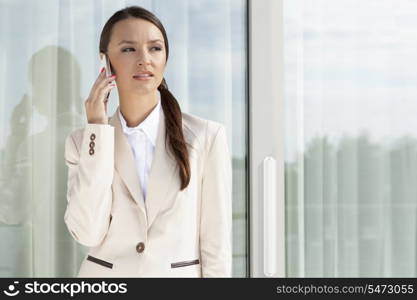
(266,136)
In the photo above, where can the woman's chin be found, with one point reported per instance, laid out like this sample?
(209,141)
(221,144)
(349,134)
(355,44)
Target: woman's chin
(145,89)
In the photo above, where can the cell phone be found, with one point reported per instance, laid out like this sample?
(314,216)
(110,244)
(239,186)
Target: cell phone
(106,64)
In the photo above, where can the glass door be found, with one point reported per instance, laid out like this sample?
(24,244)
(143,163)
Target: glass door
(49,51)
(350,105)
(333,140)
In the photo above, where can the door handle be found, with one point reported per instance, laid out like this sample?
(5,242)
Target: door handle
(270,216)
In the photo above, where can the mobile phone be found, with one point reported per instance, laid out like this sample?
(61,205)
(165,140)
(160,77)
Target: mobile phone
(106,64)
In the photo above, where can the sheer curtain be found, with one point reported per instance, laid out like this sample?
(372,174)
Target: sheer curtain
(351,138)
(49,59)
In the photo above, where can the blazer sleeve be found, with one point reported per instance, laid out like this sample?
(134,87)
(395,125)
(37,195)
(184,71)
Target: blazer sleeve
(216,210)
(90,162)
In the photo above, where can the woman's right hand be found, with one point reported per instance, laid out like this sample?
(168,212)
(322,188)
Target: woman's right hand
(96,103)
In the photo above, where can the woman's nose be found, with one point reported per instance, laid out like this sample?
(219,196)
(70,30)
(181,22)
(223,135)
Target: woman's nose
(143,58)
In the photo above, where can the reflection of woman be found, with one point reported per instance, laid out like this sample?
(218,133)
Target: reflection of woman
(149,189)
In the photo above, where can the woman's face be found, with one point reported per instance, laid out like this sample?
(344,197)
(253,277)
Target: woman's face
(135,46)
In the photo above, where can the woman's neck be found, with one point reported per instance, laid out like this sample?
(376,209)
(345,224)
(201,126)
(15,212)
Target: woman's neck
(135,108)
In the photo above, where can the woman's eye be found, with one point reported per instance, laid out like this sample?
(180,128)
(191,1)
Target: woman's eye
(132,49)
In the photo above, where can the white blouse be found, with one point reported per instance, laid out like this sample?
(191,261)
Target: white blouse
(142,140)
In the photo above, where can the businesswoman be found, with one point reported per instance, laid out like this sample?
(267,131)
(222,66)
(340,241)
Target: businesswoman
(149,189)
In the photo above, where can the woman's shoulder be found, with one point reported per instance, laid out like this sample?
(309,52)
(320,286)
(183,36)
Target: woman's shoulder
(200,125)
(200,130)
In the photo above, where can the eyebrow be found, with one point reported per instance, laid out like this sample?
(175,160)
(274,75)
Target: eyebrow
(133,42)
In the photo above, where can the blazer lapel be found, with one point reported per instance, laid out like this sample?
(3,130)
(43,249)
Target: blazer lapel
(125,162)
(163,183)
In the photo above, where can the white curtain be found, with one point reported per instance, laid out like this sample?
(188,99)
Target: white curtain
(49,60)
(351,137)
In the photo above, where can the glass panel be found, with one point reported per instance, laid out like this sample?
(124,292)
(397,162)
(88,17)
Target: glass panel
(351,139)
(49,54)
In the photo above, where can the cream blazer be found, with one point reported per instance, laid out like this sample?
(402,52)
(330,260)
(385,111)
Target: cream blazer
(173,233)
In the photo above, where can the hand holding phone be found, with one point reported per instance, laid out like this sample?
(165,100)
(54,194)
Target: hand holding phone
(96,104)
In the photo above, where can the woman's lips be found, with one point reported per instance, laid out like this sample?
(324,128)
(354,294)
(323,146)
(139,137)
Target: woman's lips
(142,77)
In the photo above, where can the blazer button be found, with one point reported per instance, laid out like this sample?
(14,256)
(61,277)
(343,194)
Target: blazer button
(92,144)
(140,247)
(92,137)
(91,151)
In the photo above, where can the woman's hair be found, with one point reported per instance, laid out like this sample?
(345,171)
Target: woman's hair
(170,106)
